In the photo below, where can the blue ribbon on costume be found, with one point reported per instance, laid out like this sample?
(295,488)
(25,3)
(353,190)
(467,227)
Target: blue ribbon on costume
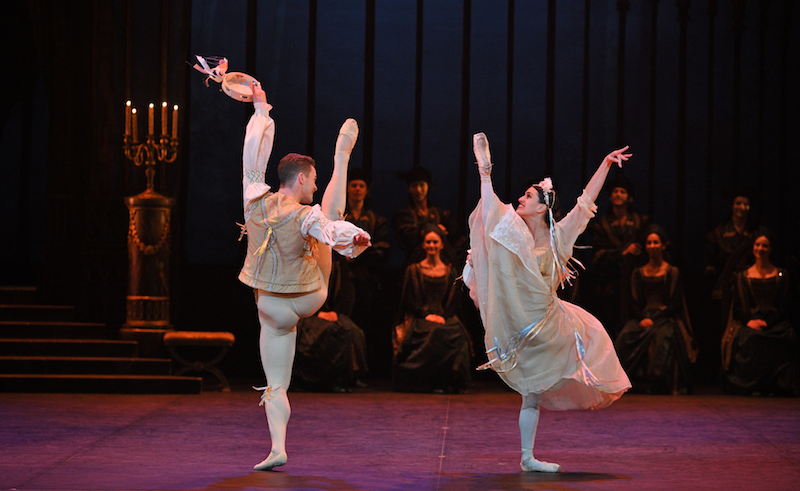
(516,343)
(586,374)
(502,359)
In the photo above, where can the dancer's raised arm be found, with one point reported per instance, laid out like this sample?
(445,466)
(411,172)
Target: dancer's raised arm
(599,177)
(480,145)
(258,140)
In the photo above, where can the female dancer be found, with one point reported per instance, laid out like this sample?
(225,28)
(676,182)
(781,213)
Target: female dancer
(555,354)
(288,262)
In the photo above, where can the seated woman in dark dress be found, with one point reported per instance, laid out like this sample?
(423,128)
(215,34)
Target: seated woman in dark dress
(331,348)
(759,347)
(656,346)
(431,345)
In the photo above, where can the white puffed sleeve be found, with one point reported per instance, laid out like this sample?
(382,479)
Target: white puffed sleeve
(336,233)
(572,225)
(258,140)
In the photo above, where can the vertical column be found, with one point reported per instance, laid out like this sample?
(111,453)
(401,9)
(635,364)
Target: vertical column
(680,194)
(622,6)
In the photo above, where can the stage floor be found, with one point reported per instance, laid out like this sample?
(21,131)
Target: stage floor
(375,439)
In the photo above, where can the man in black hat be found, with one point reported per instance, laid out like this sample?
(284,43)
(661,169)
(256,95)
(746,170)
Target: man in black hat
(617,239)
(409,222)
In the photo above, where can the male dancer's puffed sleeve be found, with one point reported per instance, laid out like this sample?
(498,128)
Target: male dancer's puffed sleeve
(258,140)
(338,234)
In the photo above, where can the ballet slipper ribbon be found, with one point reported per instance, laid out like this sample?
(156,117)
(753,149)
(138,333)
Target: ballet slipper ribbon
(217,73)
(267,393)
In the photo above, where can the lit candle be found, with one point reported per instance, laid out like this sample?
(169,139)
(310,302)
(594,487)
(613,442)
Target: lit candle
(175,122)
(128,118)
(150,122)
(164,118)
(135,126)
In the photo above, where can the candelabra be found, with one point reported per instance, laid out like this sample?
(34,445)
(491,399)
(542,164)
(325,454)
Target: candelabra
(149,234)
(162,149)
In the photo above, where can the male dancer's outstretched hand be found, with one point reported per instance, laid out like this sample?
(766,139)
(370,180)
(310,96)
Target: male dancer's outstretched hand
(362,239)
(258,93)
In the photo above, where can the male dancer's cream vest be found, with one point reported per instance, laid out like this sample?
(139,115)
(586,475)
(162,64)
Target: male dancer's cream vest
(279,259)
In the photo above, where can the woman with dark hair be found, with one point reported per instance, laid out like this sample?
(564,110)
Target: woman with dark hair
(554,353)
(759,346)
(657,346)
(431,345)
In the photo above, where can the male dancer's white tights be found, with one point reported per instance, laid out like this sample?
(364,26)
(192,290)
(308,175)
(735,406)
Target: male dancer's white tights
(278,316)
(528,422)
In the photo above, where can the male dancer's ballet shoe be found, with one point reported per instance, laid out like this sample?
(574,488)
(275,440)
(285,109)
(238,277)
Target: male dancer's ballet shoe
(349,130)
(274,460)
(533,465)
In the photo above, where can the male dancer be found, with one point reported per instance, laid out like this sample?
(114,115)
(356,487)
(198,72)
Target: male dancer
(288,261)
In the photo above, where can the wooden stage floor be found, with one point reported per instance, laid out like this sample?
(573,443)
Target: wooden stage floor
(375,439)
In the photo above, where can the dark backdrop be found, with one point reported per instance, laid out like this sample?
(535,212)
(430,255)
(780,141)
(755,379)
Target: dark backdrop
(704,92)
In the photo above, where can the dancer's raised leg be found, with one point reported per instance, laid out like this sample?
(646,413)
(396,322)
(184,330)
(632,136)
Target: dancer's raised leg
(277,340)
(335,197)
(528,422)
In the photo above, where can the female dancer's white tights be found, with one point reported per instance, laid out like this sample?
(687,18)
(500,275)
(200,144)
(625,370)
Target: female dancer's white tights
(528,422)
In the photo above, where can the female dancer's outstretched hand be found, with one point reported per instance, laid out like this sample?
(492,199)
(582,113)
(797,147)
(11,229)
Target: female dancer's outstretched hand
(618,156)
(258,93)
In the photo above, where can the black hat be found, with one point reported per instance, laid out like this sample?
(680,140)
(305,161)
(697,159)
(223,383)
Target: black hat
(359,174)
(415,174)
(747,191)
(621,181)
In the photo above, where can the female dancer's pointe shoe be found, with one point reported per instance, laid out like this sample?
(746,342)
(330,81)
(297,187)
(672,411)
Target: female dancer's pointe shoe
(348,134)
(533,465)
(274,460)
(480,146)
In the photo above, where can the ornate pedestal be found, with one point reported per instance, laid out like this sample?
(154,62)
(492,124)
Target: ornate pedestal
(148,272)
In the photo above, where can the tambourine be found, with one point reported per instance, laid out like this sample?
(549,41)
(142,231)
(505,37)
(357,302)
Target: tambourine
(235,85)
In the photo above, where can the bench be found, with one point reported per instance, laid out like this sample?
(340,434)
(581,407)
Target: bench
(177,341)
